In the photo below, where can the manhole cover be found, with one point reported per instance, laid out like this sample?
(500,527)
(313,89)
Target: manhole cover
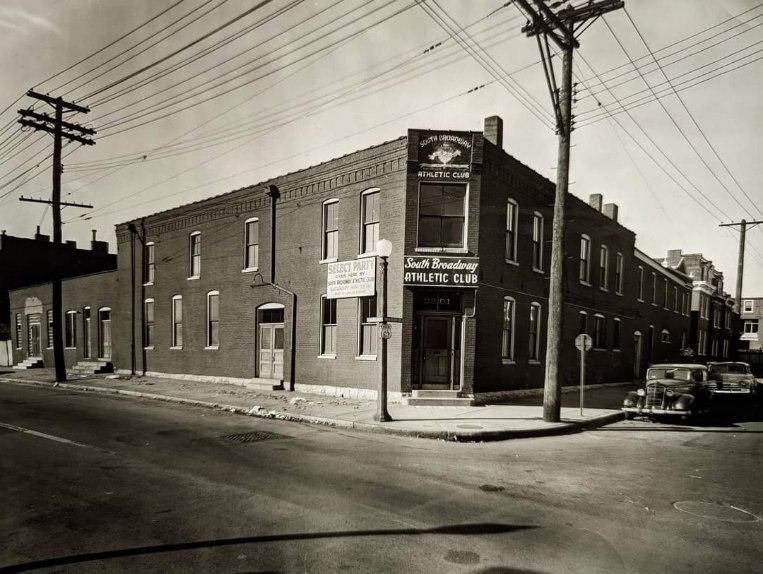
(491,488)
(469,426)
(252,436)
(722,512)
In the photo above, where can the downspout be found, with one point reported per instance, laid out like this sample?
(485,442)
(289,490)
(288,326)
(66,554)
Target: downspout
(132,300)
(142,237)
(463,339)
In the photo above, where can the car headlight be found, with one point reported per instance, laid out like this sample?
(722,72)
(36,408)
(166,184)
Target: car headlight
(641,392)
(669,393)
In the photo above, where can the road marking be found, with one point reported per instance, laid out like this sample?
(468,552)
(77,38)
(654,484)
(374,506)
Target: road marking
(44,435)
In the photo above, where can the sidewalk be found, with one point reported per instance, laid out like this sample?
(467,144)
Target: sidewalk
(463,424)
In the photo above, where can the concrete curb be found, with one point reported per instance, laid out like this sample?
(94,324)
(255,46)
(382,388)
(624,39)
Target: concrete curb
(260,412)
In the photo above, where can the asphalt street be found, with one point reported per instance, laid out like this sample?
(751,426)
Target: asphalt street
(93,483)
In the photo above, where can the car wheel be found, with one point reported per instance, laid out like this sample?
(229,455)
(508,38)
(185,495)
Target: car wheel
(628,416)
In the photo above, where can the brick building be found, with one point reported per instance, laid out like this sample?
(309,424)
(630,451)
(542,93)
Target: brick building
(468,278)
(751,317)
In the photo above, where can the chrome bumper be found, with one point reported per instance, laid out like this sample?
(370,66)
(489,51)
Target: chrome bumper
(652,411)
(731,391)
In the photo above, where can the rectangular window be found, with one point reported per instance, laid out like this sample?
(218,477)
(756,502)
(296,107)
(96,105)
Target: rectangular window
(616,334)
(49,318)
(619,273)
(148,310)
(148,264)
(604,268)
(675,299)
(640,283)
(370,220)
(665,336)
(538,241)
(213,319)
(534,330)
(507,333)
(251,244)
(512,214)
(751,326)
(441,215)
(665,293)
(18,330)
(194,262)
(70,329)
(585,260)
(328,326)
(747,306)
(725,348)
(330,231)
(599,336)
(177,321)
(654,289)
(582,323)
(367,328)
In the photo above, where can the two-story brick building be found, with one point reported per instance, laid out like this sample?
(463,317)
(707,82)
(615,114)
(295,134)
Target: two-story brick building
(197,291)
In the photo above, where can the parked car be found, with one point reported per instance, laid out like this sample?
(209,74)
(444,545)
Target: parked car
(675,389)
(733,378)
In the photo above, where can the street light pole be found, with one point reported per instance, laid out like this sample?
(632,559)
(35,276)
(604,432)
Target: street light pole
(384,250)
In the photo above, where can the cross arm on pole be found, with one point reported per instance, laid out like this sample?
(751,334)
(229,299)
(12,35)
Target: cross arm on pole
(67,125)
(56,101)
(49,202)
(50,130)
(739,223)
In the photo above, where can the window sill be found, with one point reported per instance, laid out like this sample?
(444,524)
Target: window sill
(250,269)
(540,271)
(604,289)
(533,362)
(639,299)
(332,260)
(192,278)
(151,348)
(512,262)
(365,255)
(508,362)
(212,348)
(616,350)
(619,293)
(176,348)
(148,284)
(328,356)
(598,349)
(364,357)
(586,283)
(69,348)
(457,250)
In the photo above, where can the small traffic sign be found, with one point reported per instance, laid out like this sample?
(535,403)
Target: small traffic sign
(583,342)
(385,331)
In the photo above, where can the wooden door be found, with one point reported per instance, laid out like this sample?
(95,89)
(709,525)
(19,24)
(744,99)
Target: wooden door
(435,349)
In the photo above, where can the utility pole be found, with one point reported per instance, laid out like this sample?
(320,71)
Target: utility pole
(57,126)
(740,265)
(561,26)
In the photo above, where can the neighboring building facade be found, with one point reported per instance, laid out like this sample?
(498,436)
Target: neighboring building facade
(752,318)
(468,278)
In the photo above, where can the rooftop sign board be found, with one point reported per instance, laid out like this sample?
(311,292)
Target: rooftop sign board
(437,271)
(444,156)
(356,278)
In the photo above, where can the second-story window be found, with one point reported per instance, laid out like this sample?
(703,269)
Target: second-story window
(512,213)
(640,279)
(665,294)
(330,230)
(619,273)
(585,260)
(507,333)
(148,264)
(442,215)
(604,268)
(148,311)
(251,244)
(194,255)
(654,289)
(537,241)
(369,217)
(675,299)
(747,306)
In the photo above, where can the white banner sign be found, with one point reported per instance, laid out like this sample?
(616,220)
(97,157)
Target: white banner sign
(351,278)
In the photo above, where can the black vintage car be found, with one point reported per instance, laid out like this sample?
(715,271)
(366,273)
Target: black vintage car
(733,378)
(675,390)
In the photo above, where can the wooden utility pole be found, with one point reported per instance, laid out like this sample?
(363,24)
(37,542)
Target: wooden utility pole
(740,264)
(561,26)
(56,126)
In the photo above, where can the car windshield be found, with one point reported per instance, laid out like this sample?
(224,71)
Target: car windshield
(677,373)
(737,369)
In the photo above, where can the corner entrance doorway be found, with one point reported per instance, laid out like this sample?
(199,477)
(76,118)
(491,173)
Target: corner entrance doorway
(438,340)
(270,341)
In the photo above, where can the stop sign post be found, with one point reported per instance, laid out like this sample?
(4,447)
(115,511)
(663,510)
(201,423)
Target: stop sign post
(583,343)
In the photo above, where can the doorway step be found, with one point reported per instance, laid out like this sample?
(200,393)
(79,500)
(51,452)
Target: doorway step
(437,398)
(92,367)
(30,363)
(261,384)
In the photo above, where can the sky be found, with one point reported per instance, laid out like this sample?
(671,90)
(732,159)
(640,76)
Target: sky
(299,82)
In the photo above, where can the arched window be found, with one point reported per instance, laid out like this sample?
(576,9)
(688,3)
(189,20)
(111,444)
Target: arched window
(582,322)
(534,331)
(616,334)
(512,219)
(369,220)
(70,329)
(507,332)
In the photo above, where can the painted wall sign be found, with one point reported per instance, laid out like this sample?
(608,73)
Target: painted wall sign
(436,271)
(445,155)
(356,278)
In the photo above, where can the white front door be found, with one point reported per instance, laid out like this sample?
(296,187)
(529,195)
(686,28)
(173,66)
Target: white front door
(270,351)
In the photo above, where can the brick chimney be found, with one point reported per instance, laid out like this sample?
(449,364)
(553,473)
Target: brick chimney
(595,200)
(610,210)
(99,246)
(71,243)
(40,237)
(494,130)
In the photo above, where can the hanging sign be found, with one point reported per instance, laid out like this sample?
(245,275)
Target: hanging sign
(445,156)
(436,271)
(356,278)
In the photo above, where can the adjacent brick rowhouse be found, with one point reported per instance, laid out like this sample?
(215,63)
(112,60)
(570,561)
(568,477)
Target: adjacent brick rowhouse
(475,318)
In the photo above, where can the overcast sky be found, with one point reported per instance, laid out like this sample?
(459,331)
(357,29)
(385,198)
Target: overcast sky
(315,80)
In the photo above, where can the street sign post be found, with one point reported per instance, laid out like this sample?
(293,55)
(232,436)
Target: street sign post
(583,343)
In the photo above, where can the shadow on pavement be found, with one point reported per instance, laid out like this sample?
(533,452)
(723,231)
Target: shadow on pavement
(456,529)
